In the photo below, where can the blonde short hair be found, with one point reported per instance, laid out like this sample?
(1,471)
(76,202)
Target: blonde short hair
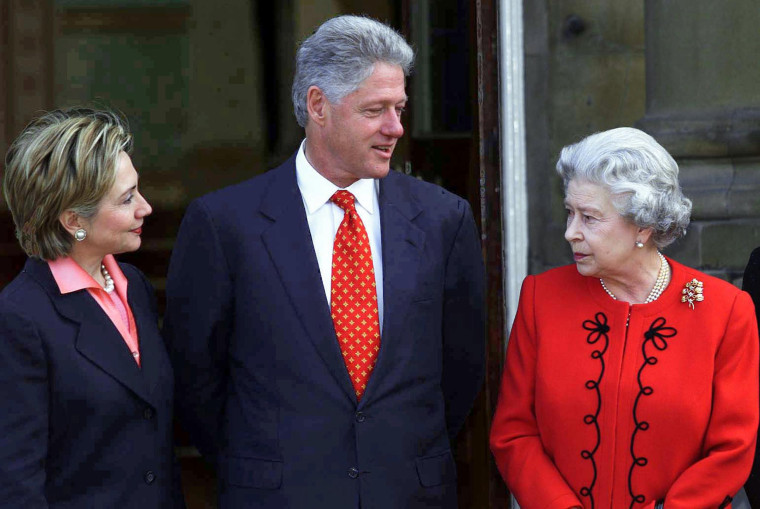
(63,160)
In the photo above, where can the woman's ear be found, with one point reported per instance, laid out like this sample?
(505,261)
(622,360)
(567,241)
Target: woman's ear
(70,221)
(644,235)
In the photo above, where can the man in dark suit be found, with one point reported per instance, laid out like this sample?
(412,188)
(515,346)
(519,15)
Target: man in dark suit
(326,319)
(751,285)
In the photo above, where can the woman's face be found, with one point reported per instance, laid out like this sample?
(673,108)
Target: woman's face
(601,239)
(117,226)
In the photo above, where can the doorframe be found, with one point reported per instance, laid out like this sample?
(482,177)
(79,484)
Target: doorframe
(489,213)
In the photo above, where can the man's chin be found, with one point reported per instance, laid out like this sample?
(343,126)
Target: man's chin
(375,169)
(381,172)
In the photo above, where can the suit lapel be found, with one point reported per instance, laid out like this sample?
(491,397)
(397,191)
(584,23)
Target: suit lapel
(402,245)
(288,241)
(98,339)
(151,343)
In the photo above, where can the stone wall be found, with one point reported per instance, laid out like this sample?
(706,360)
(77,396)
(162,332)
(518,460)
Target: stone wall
(584,73)
(681,70)
(703,105)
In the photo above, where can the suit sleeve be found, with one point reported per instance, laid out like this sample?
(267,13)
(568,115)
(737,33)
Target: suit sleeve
(528,471)
(196,326)
(751,284)
(731,435)
(23,412)
(463,323)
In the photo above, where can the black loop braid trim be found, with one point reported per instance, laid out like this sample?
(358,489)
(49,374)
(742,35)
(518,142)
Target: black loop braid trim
(657,335)
(598,329)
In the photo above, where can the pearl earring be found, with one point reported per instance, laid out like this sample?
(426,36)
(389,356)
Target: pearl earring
(639,244)
(80,234)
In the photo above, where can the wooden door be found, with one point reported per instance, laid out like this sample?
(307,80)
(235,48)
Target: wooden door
(453,140)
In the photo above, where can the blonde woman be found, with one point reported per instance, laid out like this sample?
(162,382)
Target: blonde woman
(86,384)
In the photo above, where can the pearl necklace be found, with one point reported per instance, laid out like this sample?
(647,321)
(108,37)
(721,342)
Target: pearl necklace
(108,287)
(663,277)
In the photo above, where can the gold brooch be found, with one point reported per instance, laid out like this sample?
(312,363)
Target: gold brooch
(693,292)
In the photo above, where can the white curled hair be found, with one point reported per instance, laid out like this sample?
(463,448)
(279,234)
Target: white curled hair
(639,173)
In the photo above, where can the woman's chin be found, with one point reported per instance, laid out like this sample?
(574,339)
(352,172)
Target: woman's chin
(133,246)
(586,270)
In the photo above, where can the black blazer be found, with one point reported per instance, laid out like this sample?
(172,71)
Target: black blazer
(261,381)
(751,284)
(81,425)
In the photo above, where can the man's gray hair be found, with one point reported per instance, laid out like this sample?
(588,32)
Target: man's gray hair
(341,54)
(639,173)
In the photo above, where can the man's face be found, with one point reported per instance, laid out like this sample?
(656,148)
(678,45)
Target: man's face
(361,130)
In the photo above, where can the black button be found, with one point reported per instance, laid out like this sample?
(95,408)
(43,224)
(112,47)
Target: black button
(149,477)
(360,417)
(148,413)
(353,473)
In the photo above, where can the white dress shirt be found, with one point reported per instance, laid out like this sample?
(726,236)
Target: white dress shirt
(324,218)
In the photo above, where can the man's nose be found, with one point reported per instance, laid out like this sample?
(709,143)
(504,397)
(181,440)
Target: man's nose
(392,125)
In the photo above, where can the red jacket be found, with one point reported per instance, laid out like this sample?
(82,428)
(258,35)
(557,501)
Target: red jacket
(598,414)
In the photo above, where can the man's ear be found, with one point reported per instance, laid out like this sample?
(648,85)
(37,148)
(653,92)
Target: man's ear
(317,105)
(70,221)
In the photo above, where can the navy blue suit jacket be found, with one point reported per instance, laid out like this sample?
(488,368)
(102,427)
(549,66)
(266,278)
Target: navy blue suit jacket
(81,425)
(261,382)
(751,284)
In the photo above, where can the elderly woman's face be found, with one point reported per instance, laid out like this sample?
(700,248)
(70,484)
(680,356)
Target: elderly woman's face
(117,226)
(601,239)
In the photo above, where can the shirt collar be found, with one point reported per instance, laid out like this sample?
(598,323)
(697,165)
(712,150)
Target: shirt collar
(317,190)
(70,277)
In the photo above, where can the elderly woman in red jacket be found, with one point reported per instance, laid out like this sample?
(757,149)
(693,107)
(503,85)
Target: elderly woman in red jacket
(631,381)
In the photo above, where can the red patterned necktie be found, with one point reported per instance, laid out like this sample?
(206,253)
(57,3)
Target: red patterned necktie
(353,302)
